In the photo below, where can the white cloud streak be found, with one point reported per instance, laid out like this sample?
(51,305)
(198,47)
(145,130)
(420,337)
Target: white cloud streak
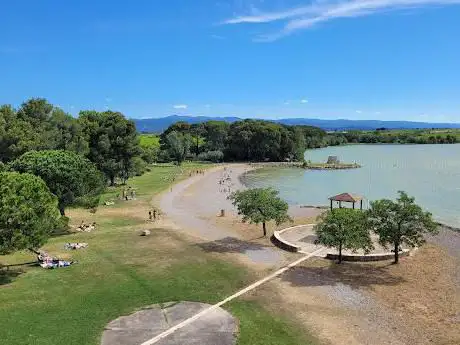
(319,11)
(304,101)
(180,106)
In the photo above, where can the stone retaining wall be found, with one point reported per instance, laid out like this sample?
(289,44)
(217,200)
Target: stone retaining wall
(368,257)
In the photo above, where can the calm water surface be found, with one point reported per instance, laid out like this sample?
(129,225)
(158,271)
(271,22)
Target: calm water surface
(430,173)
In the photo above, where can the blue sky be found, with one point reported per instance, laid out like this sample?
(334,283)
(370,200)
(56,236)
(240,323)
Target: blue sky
(361,59)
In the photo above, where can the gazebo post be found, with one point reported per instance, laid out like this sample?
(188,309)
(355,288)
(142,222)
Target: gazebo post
(346,197)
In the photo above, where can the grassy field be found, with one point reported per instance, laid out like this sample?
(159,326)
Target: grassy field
(147,140)
(121,271)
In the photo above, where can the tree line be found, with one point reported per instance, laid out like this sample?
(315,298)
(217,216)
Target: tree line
(384,136)
(246,140)
(258,140)
(107,139)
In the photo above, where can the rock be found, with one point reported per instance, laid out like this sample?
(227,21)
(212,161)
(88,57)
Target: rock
(145,232)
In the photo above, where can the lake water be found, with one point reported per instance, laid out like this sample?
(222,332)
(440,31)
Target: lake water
(430,173)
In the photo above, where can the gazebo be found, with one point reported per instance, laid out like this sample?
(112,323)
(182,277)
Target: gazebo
(346,197)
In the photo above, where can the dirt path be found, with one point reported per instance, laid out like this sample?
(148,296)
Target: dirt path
(190,203)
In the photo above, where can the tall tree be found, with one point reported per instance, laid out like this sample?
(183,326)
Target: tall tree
(216,135)
(38,125)
(400,222)
(344,229)
(17,135)
(197,131)
(113,142)
(178,145)
(67,174)
(261,205)
(35,111)
(66,133)
(28,212)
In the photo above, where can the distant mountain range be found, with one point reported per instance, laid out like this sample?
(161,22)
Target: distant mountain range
(158,125)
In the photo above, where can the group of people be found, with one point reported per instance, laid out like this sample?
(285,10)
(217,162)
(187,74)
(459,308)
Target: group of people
(77,245)
(128,194)
(196,172)
(225,182)
(154,215)
(86,227)
(47,261)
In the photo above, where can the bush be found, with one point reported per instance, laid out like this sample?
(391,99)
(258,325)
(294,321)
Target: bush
(88,202)
(150,154)
(212,156)
(139,167)
(164,157)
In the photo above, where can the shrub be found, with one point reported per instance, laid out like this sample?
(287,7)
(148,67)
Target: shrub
(212,156)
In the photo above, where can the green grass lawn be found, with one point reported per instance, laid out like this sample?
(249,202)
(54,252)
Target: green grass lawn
(147,140)
(121,271)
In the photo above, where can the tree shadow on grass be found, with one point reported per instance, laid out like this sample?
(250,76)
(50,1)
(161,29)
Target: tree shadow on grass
(351,274)
(7,275)
(230,245)
(61,232)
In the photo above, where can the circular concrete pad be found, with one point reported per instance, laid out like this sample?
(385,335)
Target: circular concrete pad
(217,327)
(304,237)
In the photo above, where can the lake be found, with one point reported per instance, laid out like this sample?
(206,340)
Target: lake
(430,173)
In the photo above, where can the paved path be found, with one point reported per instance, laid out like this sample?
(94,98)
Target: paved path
(216,327)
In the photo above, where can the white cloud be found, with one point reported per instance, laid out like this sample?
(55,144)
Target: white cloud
(377,113)
(218,37)
(358,112)
(258,17)
(287,103)
(304,101)
(180,106)
(207,106)
(108,99)
(318,11)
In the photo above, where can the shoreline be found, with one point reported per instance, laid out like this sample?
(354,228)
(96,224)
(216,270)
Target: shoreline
(448,236)
(256,166)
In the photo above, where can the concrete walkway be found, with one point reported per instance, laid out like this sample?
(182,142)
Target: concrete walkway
(216,327)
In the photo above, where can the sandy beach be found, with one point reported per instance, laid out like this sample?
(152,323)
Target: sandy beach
(416,302)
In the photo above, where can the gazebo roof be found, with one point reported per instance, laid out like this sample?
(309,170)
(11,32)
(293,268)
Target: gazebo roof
(346,197)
